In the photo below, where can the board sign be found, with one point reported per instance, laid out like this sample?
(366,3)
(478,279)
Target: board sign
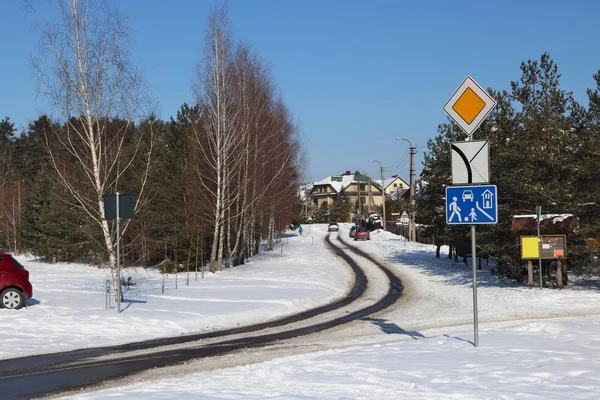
(126,206)
(471,205)
(469,106)
(552,247)
(470,162)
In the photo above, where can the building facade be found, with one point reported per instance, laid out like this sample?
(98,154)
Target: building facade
(364,192)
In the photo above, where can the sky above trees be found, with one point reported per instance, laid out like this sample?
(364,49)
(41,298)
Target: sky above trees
(354,74)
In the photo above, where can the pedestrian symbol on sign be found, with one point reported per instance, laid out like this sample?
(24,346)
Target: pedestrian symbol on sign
(455,210)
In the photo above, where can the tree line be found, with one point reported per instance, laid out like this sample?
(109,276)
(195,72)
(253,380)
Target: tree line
(209,184)
(544,150)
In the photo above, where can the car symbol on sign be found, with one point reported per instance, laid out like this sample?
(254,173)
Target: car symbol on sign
(467,195)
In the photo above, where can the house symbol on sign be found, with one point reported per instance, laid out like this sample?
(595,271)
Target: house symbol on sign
(487,199)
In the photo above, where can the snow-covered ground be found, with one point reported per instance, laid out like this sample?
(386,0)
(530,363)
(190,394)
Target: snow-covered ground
(533,344)
(535,360)
(68,309)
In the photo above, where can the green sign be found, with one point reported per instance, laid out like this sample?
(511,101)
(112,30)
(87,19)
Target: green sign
(126,206)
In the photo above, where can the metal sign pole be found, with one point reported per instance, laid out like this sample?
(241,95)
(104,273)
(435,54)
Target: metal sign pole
(474,256)
(538,211)
(118,259)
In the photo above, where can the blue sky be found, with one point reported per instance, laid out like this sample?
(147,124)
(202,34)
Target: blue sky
(355,74)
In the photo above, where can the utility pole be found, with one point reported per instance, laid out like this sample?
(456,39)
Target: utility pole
(358,184)
(382,191)
(370,196)
(413,213)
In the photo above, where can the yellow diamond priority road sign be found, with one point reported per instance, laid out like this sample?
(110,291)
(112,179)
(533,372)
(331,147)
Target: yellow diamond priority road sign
(469,105)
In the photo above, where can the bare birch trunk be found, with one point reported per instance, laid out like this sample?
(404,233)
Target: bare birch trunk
(84,71)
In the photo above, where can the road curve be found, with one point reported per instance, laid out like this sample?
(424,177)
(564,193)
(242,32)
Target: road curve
(52,373)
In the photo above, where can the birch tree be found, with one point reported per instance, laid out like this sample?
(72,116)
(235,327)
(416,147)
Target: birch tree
(241,146)
(83,68)
(215,137)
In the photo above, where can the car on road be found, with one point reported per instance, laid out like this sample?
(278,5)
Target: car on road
(333,226)
(362,233)
(467,195)
(15,287)
(352,231)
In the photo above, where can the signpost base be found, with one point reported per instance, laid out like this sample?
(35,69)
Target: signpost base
(474,260)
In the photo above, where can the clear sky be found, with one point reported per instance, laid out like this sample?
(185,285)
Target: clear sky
(355,74)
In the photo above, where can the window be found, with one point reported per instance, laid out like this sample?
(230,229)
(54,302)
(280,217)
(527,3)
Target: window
(395,185)
(363,187)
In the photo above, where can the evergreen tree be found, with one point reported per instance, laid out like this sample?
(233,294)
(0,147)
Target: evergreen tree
(7,180)
(341,209)
(435,177)
(51,226)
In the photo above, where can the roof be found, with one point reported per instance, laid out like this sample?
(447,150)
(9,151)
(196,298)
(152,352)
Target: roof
(341,182)
(398,194)
(555,217)
(549,223)
(303,190)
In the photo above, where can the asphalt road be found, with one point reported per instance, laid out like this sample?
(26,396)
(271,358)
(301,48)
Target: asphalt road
(46,374)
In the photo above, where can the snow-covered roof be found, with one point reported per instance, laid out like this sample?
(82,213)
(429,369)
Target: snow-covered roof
(554,217)
(397,194)
(303,190)
(340,182)
(337,182)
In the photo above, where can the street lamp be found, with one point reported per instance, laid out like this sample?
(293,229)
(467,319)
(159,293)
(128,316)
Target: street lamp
(412,149)
(382,192)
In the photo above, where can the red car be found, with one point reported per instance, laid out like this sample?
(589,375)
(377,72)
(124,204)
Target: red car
(362,233)
(15,287)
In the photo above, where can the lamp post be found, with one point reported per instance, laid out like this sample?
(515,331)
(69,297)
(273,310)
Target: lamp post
(412,149)
(382,191)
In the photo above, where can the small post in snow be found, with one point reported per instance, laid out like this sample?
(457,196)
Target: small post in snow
(108,305)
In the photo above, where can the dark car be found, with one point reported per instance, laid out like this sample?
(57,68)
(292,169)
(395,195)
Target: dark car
(362,233)
(352,231)
(15,287)
(333,226)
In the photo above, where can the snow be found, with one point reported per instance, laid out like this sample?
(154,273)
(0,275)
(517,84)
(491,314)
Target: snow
(555,217)
(68,309)
(534,344)
(533,360)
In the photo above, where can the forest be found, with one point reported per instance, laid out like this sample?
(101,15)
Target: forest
(220,179)
(209,184)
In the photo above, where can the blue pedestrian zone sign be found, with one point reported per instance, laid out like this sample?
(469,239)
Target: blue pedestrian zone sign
(471,205)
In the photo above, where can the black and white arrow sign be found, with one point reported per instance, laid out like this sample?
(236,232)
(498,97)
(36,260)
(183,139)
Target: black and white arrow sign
(470,162)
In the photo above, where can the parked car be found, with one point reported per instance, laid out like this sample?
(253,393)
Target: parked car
(333,226)
(15,287)
(362,233)
(352,231)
